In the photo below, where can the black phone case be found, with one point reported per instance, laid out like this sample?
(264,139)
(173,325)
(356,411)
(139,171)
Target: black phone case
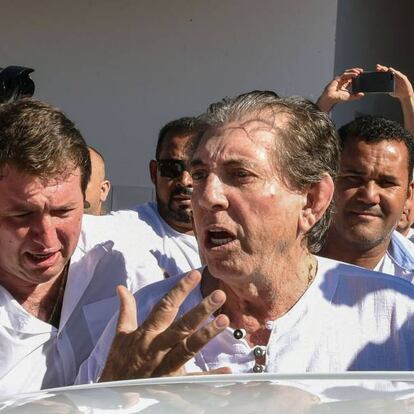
(373,82)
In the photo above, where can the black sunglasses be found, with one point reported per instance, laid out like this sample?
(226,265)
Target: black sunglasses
(171,168)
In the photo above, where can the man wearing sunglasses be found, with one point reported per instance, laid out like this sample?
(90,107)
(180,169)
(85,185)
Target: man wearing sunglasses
(154,240)
(169,173)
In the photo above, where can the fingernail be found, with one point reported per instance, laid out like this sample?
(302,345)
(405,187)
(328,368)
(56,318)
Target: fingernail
(221,321)
(193,276)
(217,297)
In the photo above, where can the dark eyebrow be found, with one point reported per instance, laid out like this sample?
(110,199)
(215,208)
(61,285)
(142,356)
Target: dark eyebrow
(351,171)
(389,177)
(360,173)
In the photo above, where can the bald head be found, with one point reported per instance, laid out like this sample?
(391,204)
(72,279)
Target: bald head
(98,187)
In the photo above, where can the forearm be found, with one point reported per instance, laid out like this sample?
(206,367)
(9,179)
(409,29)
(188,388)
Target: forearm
(407,107)
(325,104)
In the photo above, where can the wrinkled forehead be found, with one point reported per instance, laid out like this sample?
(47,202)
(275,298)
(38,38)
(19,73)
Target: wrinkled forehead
(256,137)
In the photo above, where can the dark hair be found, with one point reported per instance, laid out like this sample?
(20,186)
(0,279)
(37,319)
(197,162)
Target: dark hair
(176,128)
(373,129)
(39,139)
(308,147)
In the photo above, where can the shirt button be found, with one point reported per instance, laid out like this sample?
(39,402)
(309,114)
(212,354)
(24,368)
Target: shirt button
(239,333)
(258,368)
(259,351)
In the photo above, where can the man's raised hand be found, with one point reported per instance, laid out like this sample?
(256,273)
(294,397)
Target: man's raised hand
(161,346)
(339,90)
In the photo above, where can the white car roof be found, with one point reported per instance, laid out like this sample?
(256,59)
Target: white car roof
(358,392)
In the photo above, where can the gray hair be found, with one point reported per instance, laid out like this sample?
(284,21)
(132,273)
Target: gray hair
(307,149)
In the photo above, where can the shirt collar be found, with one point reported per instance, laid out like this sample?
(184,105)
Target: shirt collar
(401,251)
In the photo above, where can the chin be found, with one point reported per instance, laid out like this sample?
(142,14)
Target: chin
(367,240)
(225,270)
(45,275)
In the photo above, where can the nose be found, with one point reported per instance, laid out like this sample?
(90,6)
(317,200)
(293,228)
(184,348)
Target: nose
(212,195)
(369,193)
(44,232)
(185,179)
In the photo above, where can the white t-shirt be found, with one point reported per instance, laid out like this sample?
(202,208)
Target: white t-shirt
(349,319)
(150,248)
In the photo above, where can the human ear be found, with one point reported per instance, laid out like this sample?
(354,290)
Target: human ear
(410,192)
(105,188)
(316,201)
(153,171)
(409,202)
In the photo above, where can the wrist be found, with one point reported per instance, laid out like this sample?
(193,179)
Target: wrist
(406,99)
(325,103)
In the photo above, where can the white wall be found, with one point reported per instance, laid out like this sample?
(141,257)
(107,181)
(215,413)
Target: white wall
(121,69)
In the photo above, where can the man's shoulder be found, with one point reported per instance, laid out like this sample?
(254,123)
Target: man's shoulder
(120,216)
(360,279)
(401,250)
(343,283)
(150,295)
(117,226)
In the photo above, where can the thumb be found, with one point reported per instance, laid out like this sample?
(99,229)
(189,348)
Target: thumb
(127,319)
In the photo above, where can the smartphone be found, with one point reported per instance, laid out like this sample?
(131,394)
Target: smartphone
(373,82)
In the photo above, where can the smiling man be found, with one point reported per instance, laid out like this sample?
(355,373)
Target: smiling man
(263,171)
(372,190)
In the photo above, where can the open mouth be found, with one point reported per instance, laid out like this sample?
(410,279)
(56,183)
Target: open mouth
(42,258)
(216,238)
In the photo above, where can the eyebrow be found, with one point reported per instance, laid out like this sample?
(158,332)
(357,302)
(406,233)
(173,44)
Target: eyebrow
(196,163)
(356,172)
(21,205)
(235,162)
(351,171)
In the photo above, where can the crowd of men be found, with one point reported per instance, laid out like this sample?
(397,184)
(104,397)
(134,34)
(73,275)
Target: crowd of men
(271,246)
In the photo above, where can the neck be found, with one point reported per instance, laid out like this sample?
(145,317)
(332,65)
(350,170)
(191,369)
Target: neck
(181,227)
(337,248)
(40,300)
(262,298)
